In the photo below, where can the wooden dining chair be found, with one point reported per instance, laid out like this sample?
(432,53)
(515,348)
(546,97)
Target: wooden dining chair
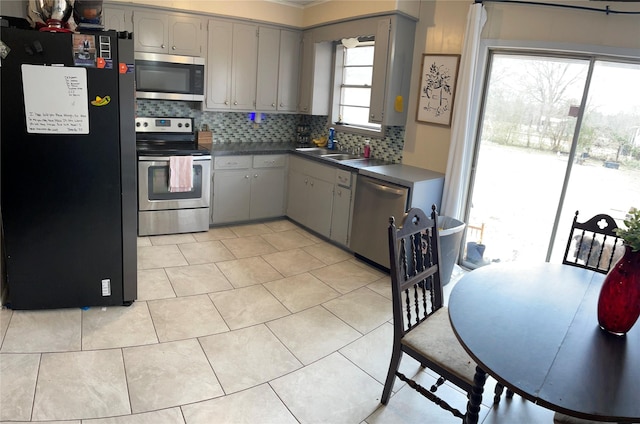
(593,244)
(420,320)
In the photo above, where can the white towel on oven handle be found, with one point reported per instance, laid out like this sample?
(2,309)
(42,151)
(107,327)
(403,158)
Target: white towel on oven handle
(180,173)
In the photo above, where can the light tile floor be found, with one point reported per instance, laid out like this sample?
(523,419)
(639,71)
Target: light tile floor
(260,323)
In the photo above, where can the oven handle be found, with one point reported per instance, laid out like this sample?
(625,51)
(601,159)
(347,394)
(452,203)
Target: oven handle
(166,158)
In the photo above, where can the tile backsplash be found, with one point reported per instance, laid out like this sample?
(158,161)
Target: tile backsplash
(238,127)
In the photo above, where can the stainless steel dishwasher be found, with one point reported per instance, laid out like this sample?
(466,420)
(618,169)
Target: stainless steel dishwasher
(375,202)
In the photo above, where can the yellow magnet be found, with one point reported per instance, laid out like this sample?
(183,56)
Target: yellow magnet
(399,107)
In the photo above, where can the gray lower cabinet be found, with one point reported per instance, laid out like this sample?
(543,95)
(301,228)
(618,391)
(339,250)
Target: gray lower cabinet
(342,211)
(248,188)
(315,201)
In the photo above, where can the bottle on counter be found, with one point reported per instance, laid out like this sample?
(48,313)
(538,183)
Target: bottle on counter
(332,134)
(367,149)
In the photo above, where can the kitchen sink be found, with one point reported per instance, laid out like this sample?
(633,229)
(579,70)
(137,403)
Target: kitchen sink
(341,156)
(325,153)
(314,150)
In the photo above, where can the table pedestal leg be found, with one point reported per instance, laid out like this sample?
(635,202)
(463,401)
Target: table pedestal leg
(475,398)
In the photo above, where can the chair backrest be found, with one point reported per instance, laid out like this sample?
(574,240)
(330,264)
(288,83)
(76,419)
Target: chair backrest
(414,254)
(593,244)
(475,233)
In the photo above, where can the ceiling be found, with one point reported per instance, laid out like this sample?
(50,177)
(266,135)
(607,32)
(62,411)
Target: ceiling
(298,3)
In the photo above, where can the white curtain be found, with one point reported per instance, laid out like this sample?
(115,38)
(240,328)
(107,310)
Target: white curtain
(464,118)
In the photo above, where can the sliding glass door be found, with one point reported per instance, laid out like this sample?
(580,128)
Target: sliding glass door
(557,134)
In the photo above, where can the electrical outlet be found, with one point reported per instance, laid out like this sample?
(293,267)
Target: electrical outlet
(106,287)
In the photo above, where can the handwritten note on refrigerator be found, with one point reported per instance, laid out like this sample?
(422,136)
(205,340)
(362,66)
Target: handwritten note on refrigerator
(55,99)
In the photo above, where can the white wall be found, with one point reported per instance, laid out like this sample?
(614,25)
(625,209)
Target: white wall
(439,30)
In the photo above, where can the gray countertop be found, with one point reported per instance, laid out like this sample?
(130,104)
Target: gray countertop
(230,149)
(397,173)
(400,174)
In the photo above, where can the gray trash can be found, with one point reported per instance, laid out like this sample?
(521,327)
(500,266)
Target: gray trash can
(451,232)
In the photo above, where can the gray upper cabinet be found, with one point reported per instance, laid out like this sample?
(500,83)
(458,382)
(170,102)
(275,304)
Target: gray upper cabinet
(267,83)
(392,63)
(117,18)
(219,64)
(289,70)
(177,33)
(232,62)
(278,70)
(315,76)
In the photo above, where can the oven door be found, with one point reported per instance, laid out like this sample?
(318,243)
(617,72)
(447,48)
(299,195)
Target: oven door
(153,185)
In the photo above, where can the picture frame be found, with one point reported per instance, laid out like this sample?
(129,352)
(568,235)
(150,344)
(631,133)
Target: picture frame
(438,76)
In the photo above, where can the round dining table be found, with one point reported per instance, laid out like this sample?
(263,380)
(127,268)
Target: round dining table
(534,328)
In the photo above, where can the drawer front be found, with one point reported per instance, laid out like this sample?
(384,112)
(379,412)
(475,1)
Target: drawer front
(232,162)
(343,178)
(269,161)
(313,169)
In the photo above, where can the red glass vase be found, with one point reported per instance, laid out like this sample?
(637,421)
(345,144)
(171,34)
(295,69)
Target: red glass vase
(619,301)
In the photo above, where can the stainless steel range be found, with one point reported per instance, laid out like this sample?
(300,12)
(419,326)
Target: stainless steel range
(161,210)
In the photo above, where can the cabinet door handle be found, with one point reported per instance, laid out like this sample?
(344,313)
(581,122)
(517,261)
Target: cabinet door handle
(339,192)
(226,102)
(255,175)
(281,105)
(246,177)
(306,181)
(162,46)
(173,47)
(235,103)
(273,105)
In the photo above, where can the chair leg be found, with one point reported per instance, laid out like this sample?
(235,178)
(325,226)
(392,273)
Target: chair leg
(475,397)
(497,393)
(396,356)
(437,384)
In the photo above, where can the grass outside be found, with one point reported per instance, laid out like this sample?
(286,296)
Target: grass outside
(516,196)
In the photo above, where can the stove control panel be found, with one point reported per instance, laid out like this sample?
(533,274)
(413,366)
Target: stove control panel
(164,125)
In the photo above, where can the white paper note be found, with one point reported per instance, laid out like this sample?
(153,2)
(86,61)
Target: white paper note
(55,99)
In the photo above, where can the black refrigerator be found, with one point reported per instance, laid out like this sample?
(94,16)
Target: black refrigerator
(68,173)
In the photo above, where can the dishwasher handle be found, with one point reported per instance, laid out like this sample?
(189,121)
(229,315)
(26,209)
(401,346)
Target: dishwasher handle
(385,188)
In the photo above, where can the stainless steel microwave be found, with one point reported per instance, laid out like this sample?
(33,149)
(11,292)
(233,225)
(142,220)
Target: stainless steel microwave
(169,77)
